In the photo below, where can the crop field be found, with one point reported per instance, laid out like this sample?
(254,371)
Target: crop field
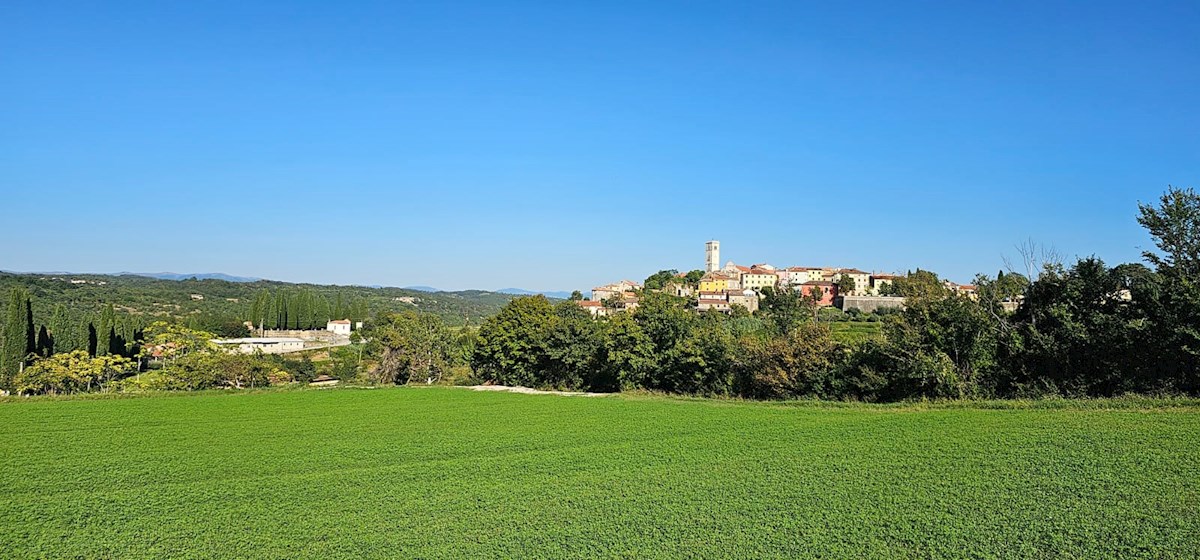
(450,473)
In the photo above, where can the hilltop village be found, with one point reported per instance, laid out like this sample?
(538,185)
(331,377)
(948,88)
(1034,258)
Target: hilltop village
(722,288)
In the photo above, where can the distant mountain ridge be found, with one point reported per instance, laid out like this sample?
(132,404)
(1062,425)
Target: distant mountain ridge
(247,279)
(188,276)
(509,291)
(522,292)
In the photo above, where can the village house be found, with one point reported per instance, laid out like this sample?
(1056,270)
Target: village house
(712,301)
(757,279)
(601,293)
(862,280)
(679,287)
(826,289)
(339,327)
(745,298)
(879,282)
(718,282)
(594,308)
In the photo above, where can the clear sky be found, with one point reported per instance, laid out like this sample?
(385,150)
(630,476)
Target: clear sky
(551,146)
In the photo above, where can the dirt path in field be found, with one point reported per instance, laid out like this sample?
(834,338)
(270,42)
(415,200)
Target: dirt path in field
(528,391)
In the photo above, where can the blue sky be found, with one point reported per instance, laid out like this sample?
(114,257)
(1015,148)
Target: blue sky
(547,146)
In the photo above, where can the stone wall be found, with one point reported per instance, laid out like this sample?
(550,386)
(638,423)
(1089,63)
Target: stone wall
(869,304)
(321,335)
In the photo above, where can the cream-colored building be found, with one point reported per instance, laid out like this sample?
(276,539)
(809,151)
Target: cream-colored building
(601,293)
(862,280)
(881,281)
(758,279)
(595,308)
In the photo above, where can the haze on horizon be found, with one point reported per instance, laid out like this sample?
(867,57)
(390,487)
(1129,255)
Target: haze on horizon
(552,147)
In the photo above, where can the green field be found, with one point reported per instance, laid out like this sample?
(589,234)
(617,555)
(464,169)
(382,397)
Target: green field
(411,472)
(855,331)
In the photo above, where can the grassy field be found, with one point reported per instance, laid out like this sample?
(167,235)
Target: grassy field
(405,473)
(855,331)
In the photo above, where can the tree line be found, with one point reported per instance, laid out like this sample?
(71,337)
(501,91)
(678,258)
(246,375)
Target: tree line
(1084,329)
(22,341)
(301,308)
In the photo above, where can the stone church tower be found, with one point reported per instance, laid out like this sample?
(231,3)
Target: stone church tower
(712,256)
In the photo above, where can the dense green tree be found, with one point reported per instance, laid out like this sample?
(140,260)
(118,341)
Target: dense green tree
(785,309)
(71,372)
(1175,226)
(800,363)
(573,348)
(660,279)
(512,344)
(1079,332)
(845,285)
(627,355)
(411,347)
(1171,301)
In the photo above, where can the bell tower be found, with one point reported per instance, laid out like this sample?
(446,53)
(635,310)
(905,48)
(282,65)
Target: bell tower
(712,256)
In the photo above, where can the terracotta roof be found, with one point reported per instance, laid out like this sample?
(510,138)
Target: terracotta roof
(589,303)
(341,322)
(818,283)
(852,271)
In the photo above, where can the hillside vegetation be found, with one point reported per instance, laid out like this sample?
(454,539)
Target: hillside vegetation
(227,302)
(453,473)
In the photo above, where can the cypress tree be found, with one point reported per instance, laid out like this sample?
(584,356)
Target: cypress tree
(45,344)
(293,311)
(339,308)
(16,345)
(93,341)
(30,332)
(62,336)
(281,309)
(106,331)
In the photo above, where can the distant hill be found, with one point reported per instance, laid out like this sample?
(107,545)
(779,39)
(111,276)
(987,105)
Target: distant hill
(521,292)
(509,291)
(211,302)
(187,276)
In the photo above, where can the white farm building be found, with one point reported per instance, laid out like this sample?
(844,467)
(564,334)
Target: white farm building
(266,345)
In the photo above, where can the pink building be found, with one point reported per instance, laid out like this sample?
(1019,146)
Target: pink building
(828,291)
